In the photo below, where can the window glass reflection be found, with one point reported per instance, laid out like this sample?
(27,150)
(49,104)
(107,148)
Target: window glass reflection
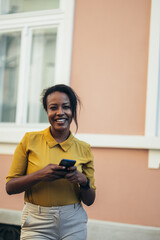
(19,6)
(42,70)
(9,71)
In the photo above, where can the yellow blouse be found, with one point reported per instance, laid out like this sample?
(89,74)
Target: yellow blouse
(38,149)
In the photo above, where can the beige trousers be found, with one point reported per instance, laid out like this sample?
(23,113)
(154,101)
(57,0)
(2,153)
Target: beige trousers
(54,223)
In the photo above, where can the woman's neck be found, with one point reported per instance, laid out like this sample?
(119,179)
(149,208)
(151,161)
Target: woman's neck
(60,136)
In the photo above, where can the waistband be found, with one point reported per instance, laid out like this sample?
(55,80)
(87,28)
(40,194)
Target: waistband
(40,209)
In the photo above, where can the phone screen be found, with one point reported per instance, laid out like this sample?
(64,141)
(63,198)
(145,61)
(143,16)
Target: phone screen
(67,163)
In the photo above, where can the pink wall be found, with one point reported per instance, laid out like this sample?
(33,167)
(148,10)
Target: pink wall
(127,191)
(109,64)
(6,201)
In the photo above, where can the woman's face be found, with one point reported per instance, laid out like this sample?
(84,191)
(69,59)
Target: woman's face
(59,112)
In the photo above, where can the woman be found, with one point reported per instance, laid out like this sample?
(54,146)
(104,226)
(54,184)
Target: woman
(53,194)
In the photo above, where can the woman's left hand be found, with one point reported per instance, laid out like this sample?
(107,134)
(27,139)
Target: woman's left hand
(74,176)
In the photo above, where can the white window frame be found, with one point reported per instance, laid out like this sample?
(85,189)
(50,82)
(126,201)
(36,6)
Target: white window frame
(63,19)
(151,128)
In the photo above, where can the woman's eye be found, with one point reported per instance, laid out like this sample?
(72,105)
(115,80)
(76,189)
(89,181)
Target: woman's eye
(53,108)
(66,107)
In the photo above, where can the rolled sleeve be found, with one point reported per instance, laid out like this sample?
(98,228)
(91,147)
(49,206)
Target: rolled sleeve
(88,168)
(19,163)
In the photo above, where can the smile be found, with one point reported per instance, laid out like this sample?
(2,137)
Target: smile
(61,120)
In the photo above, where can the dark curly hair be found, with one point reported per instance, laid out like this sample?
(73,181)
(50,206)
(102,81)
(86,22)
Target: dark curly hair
(73,97)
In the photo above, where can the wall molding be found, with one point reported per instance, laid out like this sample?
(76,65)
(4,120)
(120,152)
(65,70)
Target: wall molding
(120,231)
(12,217)
(121,141)
(11,136)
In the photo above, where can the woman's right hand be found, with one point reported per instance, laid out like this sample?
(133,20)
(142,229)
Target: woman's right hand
(52,172)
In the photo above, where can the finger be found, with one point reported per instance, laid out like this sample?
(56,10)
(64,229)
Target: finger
(59,173)
(52,178)
(73,180)
(70,174)
(74,168)
(59,168)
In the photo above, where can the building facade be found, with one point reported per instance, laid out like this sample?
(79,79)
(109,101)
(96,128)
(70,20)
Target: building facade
(108,51)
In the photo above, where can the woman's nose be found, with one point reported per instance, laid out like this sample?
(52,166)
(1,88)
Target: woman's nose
(60,111)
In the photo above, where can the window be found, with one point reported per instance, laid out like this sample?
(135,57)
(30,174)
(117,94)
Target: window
(35,53)
(9,69)
(42,68)
(18,6)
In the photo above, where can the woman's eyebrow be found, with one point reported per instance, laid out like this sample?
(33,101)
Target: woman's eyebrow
(52,104)
(66,103)
(55,104)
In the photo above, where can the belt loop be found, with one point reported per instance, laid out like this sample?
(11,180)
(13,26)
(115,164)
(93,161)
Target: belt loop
(39,209)
(74,205)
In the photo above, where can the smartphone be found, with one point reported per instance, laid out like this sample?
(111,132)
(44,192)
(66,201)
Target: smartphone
(67,163)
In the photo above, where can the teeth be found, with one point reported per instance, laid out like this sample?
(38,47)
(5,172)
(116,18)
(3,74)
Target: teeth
(60,120)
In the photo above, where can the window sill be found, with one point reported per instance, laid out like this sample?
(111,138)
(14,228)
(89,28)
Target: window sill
(11,133)
(10,136)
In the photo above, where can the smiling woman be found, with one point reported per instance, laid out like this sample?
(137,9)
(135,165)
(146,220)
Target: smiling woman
(52,191)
